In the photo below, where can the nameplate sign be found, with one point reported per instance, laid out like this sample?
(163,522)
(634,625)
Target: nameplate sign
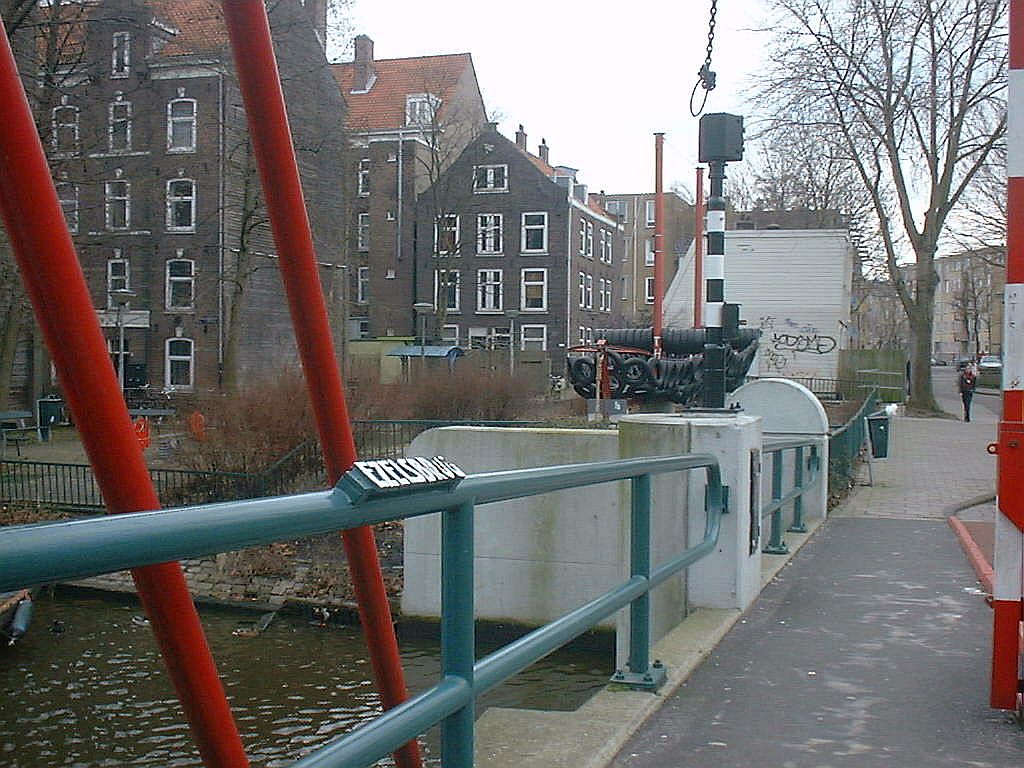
(389,476)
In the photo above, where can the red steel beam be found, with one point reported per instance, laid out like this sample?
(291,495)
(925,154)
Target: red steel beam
(64,310)
(249,30)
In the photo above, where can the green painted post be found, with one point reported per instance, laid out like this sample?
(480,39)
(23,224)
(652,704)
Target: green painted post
(458,642)
(640,565)
(798,525)
(775,544)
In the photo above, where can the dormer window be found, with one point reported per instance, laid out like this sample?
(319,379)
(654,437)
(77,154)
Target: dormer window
(421,109)
(121,54)
(490,178)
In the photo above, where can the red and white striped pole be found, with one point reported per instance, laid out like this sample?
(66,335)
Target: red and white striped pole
(1008,586)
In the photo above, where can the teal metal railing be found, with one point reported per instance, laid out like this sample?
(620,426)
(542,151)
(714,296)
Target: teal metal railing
(806,468)
(67,550)
(845,443)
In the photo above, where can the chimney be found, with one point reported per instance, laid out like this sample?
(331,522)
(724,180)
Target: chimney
(364,74)
(317,10)
(521,138)
(542,150)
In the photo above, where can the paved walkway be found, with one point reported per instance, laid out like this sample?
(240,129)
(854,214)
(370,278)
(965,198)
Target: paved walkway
(872,647)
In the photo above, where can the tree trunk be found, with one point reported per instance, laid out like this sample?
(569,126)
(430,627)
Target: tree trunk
(921,323)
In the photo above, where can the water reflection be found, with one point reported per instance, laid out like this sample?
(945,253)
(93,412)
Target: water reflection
(94,695)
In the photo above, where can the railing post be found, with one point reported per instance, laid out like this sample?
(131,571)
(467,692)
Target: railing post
(775,544)
(458,646)
(798,525)
(641,673)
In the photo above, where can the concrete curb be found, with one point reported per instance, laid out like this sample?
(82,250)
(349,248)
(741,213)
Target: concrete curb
(591,736)
(982,568)
(974,501)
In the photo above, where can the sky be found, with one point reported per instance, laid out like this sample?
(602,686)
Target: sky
(596,80)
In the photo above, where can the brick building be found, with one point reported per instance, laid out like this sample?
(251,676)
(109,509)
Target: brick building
(154,170)
(408,120)
(636,213)
(509,244)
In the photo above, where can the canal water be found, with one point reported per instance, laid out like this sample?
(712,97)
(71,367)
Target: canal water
(95,695)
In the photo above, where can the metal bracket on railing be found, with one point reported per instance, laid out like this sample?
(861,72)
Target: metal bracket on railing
(651,680)
(725,499)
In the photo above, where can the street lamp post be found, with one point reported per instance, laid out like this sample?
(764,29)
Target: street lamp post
(422,309)
(512,314)
(121,297)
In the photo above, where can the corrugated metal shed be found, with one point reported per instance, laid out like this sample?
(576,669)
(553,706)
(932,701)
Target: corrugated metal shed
(792,284)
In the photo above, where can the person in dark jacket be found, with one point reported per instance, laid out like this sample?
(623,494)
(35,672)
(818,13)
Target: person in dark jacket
(968,383)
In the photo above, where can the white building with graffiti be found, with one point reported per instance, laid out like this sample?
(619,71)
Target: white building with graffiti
(792,284)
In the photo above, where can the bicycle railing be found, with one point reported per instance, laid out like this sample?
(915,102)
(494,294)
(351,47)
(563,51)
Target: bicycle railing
(805,474)
(67,550)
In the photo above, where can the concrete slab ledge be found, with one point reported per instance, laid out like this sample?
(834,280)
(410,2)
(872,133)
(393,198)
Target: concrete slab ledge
(592,735)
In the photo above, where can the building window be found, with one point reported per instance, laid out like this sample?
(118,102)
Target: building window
(617,208)
(180,285)
(363,232)
(535,233)
(533,337)
(649,212)
(446,235)
(583,335)
(448,289)
(119,125)
(450,335)
(583,290)
(363,177)
(488,234)
(421,109)
(121,54)
(64,121)
(606,295)
(534,290)
(590,291)
(117,204)
(490,178)
(181,205)
(488,296)
(649,252)
(606,246)
(649,290)
(179,370)
(67,194)
(583,237)
(590,336)
(590,240)
(181,125)
(363,285)
(624,288)
(119,276)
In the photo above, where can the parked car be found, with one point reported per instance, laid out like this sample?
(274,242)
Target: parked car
(990,364)
(939,361)
(962,361)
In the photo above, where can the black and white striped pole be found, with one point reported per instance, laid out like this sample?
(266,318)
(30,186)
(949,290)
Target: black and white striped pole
(721,141)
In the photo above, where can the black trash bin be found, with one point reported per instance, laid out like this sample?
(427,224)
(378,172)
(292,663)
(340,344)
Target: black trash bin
(878,434)
(49,411)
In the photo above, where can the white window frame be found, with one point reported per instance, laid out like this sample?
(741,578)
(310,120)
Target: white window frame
(525,228)
(444,220)
(363,285)
(490,235)
(447,337)
(489,291)
(113,121)
(121,54)
(476,332)
(171,206)
(583,236)
(188,120)
(490,185)
(172,281)
(118,282)
(590,291)
(60,124)
(648,290)
(363,178)
(362,232)
(583,290)
(109,199)
(170,359)
(421,109)
(583,335)
(450,284)
(523,285)
(69,203)
(525,328)
(590,240)
(650,213)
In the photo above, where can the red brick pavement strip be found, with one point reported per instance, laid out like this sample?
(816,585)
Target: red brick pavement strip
(983,532)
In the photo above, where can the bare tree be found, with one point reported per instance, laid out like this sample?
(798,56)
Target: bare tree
(914,93)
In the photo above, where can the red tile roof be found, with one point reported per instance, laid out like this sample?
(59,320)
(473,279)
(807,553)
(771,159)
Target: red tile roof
(544,168)
(383,106)
(200,26)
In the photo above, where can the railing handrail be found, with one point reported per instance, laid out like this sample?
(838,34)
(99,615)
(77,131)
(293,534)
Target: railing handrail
(869,402)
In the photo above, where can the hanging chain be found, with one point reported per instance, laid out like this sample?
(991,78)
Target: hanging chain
(705,77)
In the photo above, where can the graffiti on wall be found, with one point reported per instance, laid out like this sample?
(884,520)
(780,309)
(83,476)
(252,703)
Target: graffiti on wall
(783,339)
